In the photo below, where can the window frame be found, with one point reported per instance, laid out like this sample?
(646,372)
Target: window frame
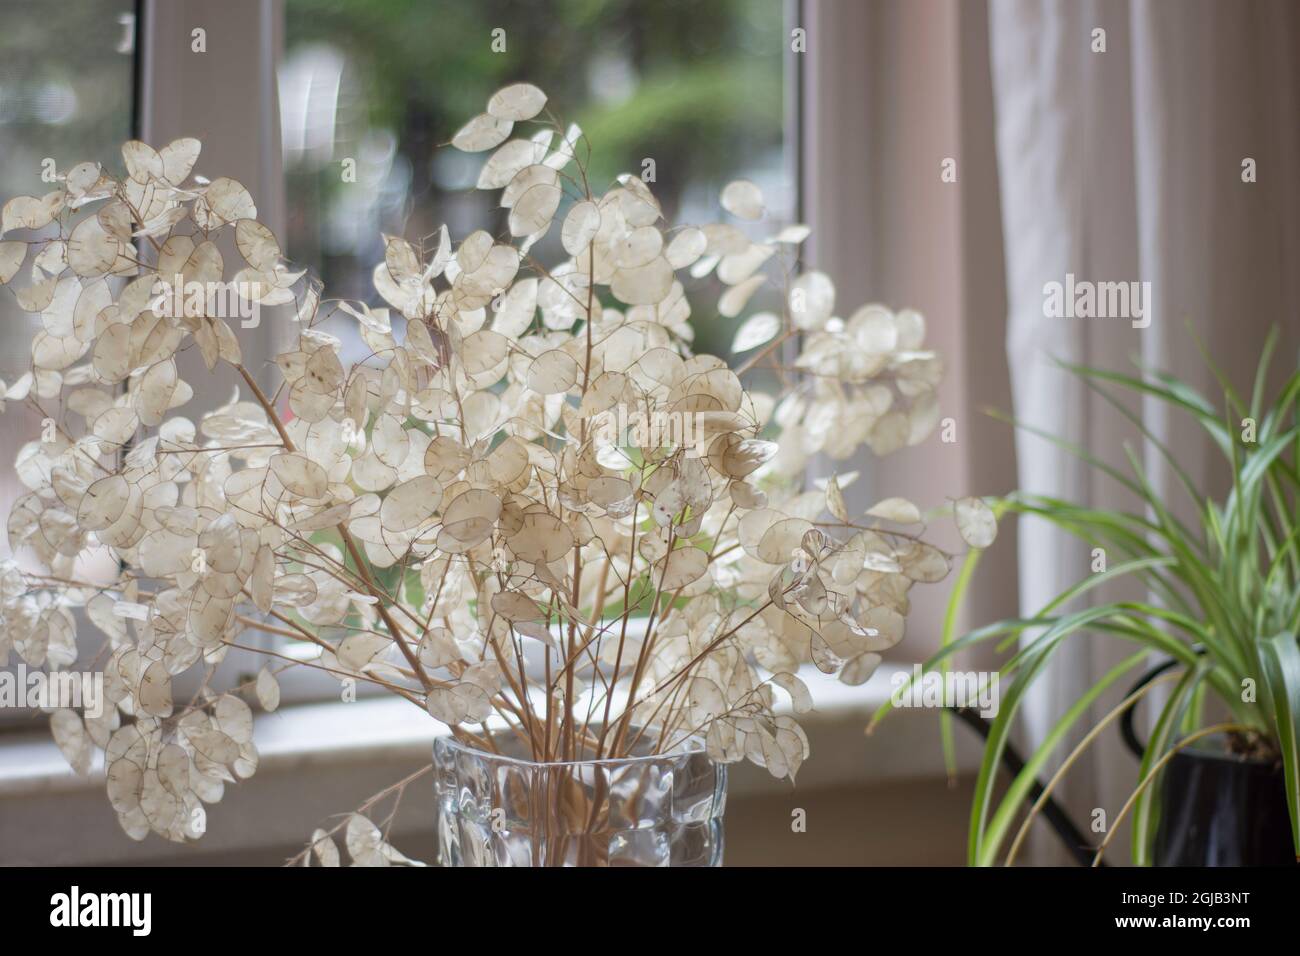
(20,719)
(304,684)
(225,96)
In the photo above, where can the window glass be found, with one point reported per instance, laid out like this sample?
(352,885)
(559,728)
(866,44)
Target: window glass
(66,95)
(689,91)
(67,81)
(67,92)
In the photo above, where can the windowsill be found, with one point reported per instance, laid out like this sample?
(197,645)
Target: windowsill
(327,750)
(299,735)
(306,735)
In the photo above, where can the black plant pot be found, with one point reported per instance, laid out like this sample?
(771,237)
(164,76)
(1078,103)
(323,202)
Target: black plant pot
(1220,809)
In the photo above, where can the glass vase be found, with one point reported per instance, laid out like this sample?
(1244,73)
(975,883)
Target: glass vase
(502,809)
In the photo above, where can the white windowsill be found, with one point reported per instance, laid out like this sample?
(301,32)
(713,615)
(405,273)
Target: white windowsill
(305,735)
(328,749)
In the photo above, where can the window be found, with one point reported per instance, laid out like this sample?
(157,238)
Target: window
(67,92)
(691,93)
(67,87)
(67,95)
(688,92)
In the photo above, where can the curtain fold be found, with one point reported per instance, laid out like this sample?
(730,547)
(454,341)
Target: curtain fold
(1125,165)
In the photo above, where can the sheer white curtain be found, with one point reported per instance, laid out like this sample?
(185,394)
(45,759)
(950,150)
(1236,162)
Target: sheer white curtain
(1126,165)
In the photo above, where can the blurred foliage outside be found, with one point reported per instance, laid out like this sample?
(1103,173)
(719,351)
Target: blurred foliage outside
(694,85)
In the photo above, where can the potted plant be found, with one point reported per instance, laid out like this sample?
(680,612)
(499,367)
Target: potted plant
(532,511)
(1216,782)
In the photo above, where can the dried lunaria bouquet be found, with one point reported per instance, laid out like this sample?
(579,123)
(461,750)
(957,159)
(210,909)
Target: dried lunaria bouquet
(531,511)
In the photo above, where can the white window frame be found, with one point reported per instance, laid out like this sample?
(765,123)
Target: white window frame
(227,97)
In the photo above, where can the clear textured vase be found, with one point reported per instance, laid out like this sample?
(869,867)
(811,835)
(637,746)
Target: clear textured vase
(501,809)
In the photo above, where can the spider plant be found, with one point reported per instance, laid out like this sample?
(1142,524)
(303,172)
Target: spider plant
(1223,604)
